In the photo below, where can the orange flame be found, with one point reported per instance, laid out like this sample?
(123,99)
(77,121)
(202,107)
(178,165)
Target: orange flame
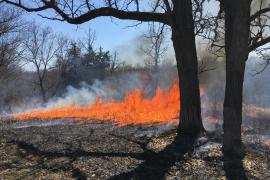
(163,108)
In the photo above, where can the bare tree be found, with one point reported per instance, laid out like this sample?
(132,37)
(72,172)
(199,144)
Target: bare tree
(155,47)
(176,14)
(11,26)
(88,42)
(260,31)
(237,15)
(115,63)
(259,24)
(40,50)
(239,28)
(240,40)
(207,60)
(61,63)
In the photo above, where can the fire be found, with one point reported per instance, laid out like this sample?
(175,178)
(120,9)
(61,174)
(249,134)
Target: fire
(134,109)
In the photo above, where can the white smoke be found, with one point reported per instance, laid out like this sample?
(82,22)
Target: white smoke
(112,88)
(84,95)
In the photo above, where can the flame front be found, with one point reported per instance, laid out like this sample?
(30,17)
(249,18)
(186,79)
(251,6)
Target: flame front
(162,108)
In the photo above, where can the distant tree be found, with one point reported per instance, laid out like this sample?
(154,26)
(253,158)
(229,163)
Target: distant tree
(181,16)
(115,63)
(61,64)
(61,55)
(155,46)
(92,57)
(74,51)
(11,29)
(40,51)
(101,59)
(87,44)
(81,62)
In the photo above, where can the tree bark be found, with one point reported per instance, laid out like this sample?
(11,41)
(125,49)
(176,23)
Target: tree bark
(237,13)
(183,38)
(42,91)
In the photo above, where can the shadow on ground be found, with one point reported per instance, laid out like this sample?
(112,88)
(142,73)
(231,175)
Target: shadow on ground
(156,165)
(101,152)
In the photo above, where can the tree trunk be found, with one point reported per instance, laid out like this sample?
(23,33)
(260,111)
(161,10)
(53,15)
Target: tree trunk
(237,13)
(43,94)
(42,90)
(186,57)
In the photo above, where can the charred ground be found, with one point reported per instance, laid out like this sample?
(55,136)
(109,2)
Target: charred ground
(102,151)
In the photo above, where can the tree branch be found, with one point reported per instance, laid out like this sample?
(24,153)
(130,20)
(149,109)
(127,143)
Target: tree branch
(28,9)
(258,13)
(260,43)
(120,14)
(92,14)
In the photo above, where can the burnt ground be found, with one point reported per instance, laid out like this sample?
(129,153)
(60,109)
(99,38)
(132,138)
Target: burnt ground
(68,150)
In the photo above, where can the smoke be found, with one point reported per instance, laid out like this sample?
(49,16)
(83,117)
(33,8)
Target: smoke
(136,52)
(112,88)
(81,96)
(116,87)
(256,97)
(257,85)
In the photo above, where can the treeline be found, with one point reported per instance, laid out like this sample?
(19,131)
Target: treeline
(37,63)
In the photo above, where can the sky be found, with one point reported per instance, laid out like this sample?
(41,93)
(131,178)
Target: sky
(110,32)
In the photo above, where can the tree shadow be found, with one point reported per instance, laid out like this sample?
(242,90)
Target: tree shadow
(156,165)
(72,154)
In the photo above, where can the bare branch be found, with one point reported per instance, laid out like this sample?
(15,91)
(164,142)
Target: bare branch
(263,42)
(75,18)
(28,9)
(259,13)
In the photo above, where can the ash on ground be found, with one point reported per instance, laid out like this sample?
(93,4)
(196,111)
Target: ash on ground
(64,149)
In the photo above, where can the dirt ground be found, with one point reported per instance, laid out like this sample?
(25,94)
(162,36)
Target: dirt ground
(98,150)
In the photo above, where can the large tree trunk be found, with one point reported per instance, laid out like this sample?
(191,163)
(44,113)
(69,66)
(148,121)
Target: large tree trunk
(237,13)
(186,57)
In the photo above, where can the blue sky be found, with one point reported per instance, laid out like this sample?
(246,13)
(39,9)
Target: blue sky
(110,32)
